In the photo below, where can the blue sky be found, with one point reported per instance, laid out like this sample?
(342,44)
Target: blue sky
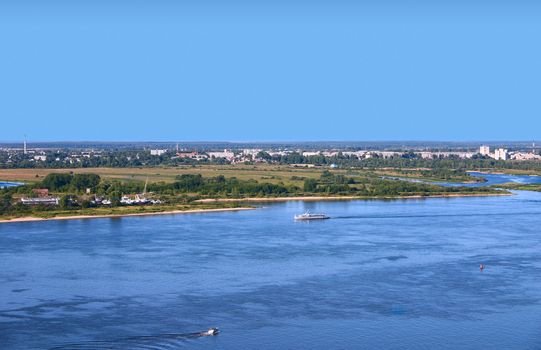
(162,70)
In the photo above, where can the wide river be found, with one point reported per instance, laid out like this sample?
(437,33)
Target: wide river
(400,274)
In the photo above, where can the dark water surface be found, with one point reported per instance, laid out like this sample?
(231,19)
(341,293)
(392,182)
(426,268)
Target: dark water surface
(400,274)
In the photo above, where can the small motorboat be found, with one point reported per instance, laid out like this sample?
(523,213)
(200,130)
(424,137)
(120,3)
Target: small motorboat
(210,332)
(310,216)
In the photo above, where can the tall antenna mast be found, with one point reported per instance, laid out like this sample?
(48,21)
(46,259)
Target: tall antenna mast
(24,144)
(145,189)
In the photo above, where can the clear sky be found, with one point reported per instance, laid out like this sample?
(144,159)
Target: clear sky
(265,70)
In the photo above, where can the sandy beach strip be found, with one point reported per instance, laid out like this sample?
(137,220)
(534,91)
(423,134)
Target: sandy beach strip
(75,217)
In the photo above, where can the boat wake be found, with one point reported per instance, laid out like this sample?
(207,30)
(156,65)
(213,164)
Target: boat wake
(146,342)
(432,215)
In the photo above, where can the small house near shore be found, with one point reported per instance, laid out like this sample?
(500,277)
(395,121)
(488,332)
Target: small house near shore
(40,201)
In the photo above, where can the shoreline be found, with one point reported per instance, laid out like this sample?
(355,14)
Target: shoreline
(77,217)
(516,172)
(432,181)
(251,200)
(488,172)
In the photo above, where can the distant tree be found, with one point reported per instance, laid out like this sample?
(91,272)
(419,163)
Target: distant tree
(326,174)
(410,155)
(115,197)
(5,203)
(310,185)
(65,201)
(57,182)
(7,198)
(81,182)
(189,182)
(219,179)
(264,155)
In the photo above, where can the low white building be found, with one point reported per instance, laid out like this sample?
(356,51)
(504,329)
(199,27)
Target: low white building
(139,199)
(310,154)
(225,154)
(191,155)
(525,156)
(330,153)
(356,154)
(101,201)
(278,153)
(41,158)
(252,151)
(431,155)
(40,200)
(387,154)
(157,152)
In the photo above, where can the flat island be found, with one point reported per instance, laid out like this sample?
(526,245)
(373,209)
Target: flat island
(113,192)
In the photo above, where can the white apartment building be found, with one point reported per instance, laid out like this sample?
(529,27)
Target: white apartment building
(484,150)
(501,154)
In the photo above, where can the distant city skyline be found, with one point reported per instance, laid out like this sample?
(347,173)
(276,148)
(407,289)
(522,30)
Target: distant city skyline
(484,147)
(270,70)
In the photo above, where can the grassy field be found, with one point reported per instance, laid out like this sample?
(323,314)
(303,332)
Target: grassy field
(270,173)
(263,172)
(416,174)
(518,186)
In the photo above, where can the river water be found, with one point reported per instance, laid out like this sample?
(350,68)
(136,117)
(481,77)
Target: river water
(9,184)
(497,179)
(491,180)
(398,274)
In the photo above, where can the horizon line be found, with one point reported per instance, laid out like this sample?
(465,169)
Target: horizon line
(265,141)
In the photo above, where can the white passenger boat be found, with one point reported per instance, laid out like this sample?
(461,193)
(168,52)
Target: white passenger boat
(310,216)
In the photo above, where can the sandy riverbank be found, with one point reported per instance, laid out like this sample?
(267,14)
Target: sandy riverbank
(250,199)
(75,217)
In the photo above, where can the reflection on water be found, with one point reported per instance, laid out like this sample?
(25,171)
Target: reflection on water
(400,274)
